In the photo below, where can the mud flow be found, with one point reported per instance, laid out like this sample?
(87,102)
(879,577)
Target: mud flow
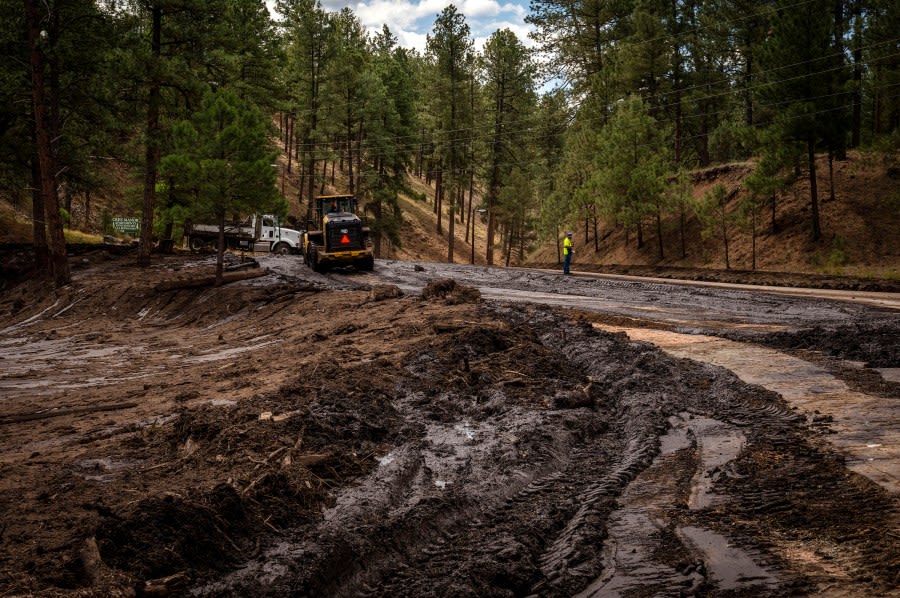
(342,435)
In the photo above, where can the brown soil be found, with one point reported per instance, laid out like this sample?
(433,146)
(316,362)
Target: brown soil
(285,436)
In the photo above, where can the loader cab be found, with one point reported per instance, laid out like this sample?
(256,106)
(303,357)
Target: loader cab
(327,205)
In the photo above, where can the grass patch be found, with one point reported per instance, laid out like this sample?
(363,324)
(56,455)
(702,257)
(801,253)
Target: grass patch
(81,238)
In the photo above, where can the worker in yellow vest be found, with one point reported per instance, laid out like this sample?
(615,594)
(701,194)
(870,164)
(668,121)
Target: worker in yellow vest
(567,252)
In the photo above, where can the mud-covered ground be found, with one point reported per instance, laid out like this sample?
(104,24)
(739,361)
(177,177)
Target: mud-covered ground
(403,434)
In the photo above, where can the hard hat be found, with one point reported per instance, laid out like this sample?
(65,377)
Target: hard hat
(568,233)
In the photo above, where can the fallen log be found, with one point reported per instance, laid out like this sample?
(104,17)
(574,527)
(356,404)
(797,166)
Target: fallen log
(166,586)
(27,417)
(207,281)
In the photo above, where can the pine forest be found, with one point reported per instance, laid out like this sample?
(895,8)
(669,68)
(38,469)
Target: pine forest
(596,121)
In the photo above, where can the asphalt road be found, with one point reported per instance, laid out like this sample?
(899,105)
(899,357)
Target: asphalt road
(685,305)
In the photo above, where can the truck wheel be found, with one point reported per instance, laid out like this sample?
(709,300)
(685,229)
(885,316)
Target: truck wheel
(367,264)
(282,249)
(196,243)
(313,261)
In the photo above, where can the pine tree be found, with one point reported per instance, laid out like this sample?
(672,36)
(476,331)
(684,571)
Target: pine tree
(223,157)
(508,74)
(448,46)
(805,84)
(309,34)
(392,120)
(630,165)
(56,244)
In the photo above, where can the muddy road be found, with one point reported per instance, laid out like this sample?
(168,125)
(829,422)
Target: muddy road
(437,430)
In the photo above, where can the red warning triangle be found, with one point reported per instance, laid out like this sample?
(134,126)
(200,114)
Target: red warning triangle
(345,240)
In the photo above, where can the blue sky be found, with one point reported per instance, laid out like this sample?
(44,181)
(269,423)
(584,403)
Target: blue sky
(412,20)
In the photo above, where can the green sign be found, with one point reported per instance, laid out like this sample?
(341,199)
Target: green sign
(128,226)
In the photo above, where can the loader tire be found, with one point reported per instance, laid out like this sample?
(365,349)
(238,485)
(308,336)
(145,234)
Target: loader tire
(314,258)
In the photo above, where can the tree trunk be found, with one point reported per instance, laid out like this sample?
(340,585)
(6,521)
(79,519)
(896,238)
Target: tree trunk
(349,126)
(722,207)
(558,248)
(152,150)
(493,186)
(831,195)
(753,237)
(301,184)
(39,225)
(56,242)
(659,235)
(509,242)
(856,122)
(308,145)
(220,249)
(471,203)
(289,143)
(296,140)
(813,189)
(359,158)
(451,225)
(521,234)
(748,86)
(438,197)
(418,167)
(472,225)
(310,173)
(87,210)
(774,227)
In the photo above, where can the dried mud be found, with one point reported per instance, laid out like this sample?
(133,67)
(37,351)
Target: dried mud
(309,435)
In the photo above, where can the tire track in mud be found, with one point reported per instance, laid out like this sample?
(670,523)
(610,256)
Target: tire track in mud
(495,526)
(775,429)
(864,427)
(434,510)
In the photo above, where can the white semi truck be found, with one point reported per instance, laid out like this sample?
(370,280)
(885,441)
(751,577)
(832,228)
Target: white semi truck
(255,233)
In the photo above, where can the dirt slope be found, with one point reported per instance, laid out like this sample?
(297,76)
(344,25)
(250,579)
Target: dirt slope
(860,227)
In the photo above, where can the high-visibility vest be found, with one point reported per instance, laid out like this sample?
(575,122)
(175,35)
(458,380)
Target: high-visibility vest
(567,246)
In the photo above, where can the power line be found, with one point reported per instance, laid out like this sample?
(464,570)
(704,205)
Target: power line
(415,139)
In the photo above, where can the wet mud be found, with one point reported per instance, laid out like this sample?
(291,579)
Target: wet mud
(372,435)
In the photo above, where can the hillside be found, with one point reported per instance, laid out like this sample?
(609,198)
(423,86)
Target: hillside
(861,230)
(860,227)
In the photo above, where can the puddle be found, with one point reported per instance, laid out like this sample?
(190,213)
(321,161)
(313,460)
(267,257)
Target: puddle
(634,546)
(102,469)
(729,566)
(889,374)
(865,428)
(717,444)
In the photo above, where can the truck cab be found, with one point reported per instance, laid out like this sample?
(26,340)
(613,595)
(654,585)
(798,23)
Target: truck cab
(279,239)
(253,233)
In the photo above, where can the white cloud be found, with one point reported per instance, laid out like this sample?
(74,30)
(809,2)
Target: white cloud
(473,9)
(410,39)
(412,21)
